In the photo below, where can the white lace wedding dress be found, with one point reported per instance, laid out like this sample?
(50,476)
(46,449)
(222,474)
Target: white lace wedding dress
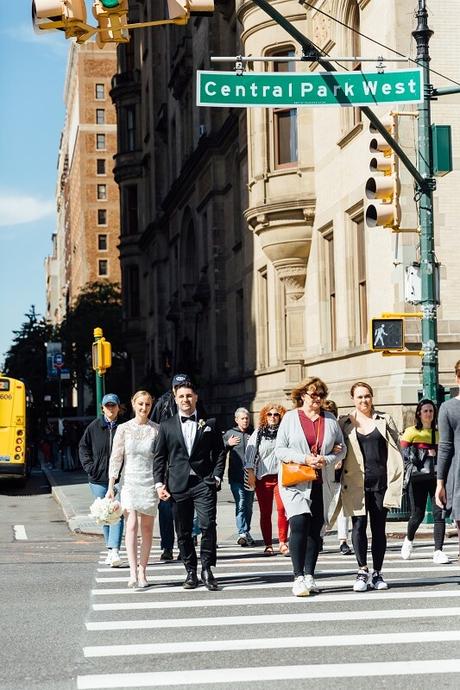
(133,443)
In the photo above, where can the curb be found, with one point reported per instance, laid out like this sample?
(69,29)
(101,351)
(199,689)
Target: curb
(79,524)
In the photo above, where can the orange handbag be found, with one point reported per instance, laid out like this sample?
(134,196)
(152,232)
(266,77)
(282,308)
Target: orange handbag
(295,473)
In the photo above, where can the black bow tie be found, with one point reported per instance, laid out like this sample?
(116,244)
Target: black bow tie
(188,419)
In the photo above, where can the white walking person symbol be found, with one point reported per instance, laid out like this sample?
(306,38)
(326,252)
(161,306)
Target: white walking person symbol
(379,333)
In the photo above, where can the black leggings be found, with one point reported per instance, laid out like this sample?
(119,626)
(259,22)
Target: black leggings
(418,494)
(378,516)
(305,534)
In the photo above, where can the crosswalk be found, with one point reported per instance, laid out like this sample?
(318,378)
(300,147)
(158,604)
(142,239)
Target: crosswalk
(254,633)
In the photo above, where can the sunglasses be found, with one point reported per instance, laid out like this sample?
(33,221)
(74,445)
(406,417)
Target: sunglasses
(315,395)
(273,414)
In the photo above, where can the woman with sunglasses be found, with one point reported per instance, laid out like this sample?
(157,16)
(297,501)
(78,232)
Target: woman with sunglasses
(311,436)
(371,482)
(262,471)
(420,444)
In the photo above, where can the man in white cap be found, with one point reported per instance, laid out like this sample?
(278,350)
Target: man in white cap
(94,451)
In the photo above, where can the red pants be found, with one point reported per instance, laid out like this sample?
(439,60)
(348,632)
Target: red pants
(266,488)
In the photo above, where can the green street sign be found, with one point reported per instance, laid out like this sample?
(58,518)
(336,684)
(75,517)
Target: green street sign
(292,89)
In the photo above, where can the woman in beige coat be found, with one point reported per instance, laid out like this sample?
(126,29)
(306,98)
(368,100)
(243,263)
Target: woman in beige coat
(371,482)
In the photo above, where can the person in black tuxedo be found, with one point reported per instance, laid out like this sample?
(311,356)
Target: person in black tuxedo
(188,465)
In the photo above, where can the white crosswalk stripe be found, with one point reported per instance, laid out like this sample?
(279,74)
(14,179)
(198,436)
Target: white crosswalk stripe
(217,639)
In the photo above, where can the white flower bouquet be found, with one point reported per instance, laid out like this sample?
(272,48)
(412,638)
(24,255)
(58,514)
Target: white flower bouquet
(106,511)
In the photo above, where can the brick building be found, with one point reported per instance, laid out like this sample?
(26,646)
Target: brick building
(88,228)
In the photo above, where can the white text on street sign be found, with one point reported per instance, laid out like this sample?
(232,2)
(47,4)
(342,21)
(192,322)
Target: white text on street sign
(289,89)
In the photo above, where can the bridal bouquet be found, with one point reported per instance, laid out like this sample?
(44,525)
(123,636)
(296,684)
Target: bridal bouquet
(106,511)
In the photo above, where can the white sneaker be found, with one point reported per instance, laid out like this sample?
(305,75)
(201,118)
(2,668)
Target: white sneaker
(249,539)
(311,584)
(116,560)
(406,549)
(299,588)
(377,581)
(108,558)
(362,581)
(440,558)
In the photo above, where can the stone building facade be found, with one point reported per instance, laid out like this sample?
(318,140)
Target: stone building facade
(245,256)
(85,245)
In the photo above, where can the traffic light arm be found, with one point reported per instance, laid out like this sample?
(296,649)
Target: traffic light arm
(91,30)
(310,51)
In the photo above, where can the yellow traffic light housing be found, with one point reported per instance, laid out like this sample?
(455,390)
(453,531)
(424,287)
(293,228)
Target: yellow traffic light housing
(383,187)
(65,15)
(112,20)
(185,8)
(101,355)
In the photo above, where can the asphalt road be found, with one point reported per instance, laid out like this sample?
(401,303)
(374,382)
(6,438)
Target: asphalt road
(69,621)
(46,579)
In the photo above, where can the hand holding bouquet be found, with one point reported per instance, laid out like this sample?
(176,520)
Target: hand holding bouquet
(106,511)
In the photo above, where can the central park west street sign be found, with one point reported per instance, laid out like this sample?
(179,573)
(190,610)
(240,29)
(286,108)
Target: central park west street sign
(292,89)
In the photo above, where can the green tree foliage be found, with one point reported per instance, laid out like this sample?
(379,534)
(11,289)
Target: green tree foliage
(97,305)
(26,358)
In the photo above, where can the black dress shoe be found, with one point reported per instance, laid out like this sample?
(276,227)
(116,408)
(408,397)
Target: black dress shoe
(191,581)
(209,580)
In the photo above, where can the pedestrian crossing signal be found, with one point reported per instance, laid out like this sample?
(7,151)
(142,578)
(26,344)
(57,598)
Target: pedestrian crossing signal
(387,334)
(102,355)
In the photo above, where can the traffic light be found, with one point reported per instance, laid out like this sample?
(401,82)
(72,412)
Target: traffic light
(111,16)
(185,8)
(387,334)
(101,355)
(384,186)
(65,15)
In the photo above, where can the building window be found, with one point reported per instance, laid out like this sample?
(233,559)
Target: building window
(101,216)
(102,243)
(130,210)
(240,329)
(100,141)
(102,192)
(100,166)
(351,117)
(103,267)
(285,122)
(130,128)
(360,278)
(263,349)
(132,288)
(100,116)
(100,92)
(330,295)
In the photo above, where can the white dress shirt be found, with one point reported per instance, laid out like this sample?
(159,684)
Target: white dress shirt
(188,431)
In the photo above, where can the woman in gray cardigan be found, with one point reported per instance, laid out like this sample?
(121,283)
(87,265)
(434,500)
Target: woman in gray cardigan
(308,435)
(448,470)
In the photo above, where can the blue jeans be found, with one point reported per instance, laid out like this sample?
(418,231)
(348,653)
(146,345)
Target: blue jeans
(112,533)
(166,521)
(243,506)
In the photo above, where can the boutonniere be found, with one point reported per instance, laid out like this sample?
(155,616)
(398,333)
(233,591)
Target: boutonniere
(201,423)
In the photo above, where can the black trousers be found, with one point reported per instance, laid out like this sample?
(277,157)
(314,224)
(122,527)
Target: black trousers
(305,537)
(418,494)
(378,516)
(202,497)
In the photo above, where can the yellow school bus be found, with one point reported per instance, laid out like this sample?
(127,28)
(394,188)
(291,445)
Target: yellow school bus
(13,450)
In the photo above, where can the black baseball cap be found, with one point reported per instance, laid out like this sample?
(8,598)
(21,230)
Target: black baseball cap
(179,379)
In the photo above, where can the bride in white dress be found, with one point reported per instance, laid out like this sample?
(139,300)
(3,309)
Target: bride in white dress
(133,445)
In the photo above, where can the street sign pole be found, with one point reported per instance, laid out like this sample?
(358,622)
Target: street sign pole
(422,35)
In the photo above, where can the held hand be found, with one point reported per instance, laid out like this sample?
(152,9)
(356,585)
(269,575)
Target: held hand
(163,494)
(338,465)
(251,478)
(432,452)
(233,440)
(110,493)
(336,450)
(440,497)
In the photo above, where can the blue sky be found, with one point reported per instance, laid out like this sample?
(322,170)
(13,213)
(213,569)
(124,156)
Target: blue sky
(31,118)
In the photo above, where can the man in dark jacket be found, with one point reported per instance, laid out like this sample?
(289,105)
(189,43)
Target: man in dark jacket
(94,451)
(165,408)
(235,441)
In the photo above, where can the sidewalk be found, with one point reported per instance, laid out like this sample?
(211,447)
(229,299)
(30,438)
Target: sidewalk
(71,491)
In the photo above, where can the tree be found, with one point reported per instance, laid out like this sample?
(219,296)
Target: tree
(97,305)
(26,358)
